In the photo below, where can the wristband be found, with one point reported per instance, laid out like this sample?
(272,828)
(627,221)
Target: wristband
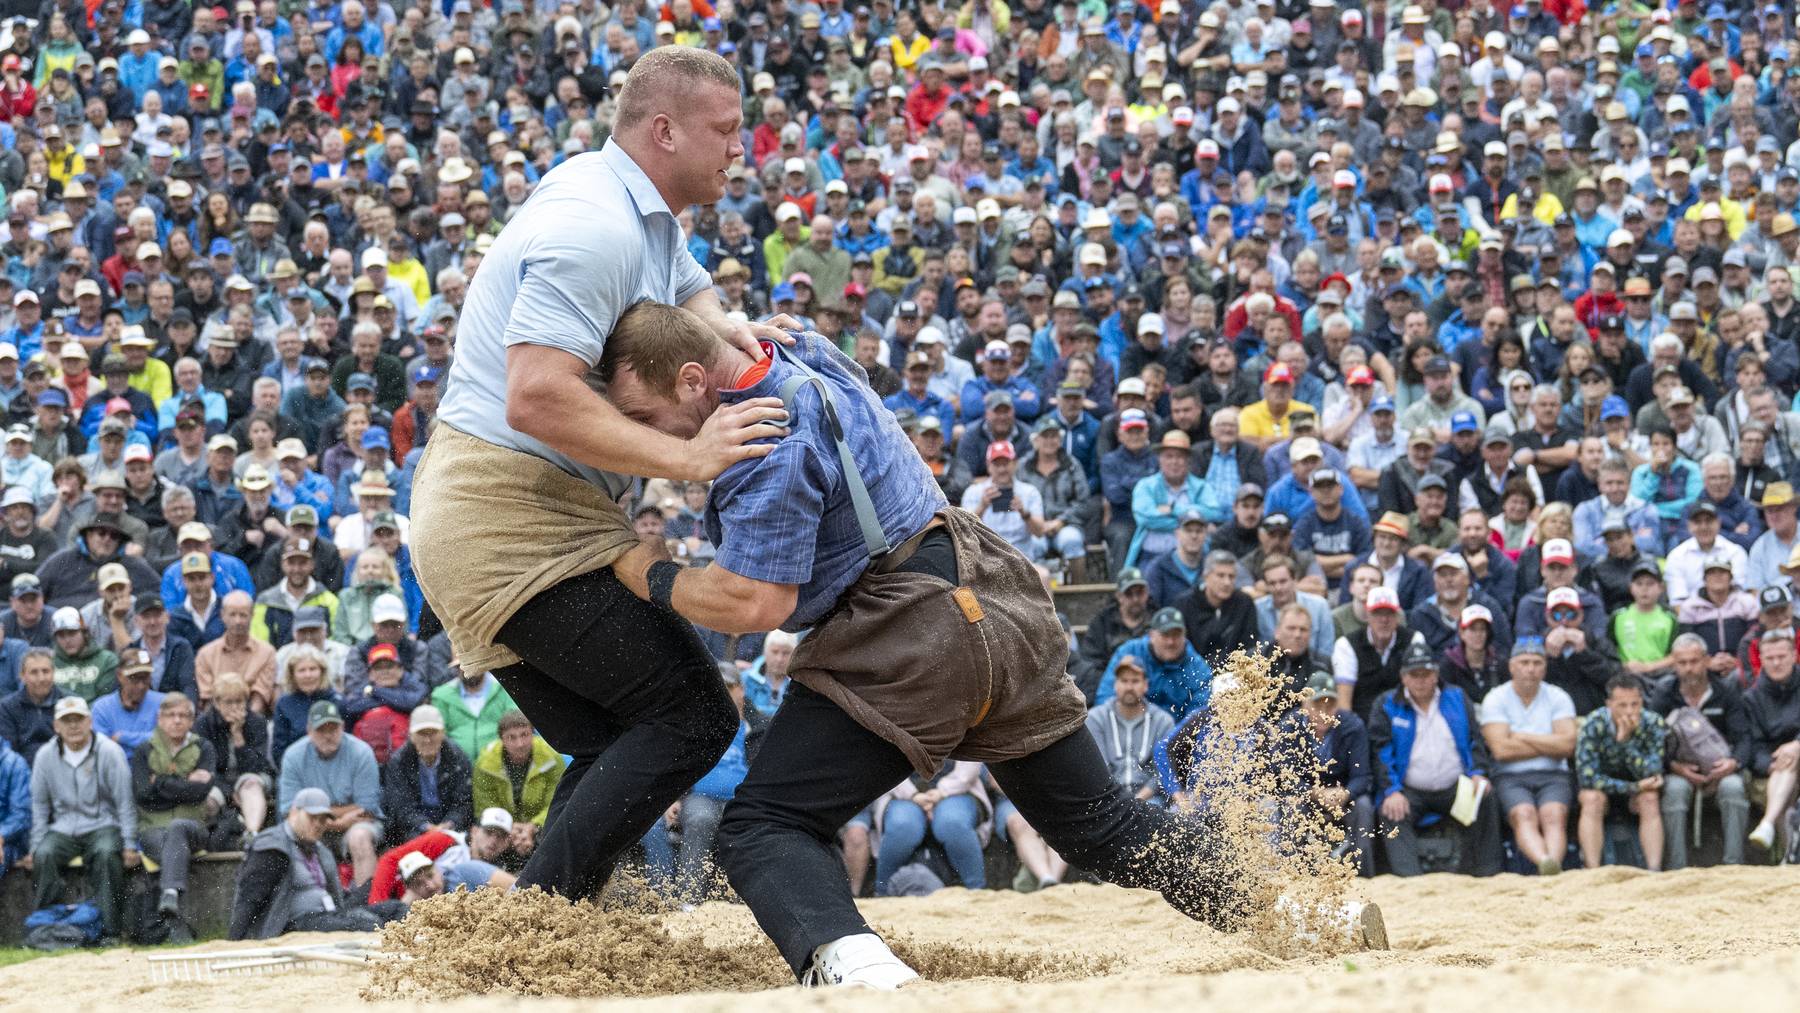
(661,578)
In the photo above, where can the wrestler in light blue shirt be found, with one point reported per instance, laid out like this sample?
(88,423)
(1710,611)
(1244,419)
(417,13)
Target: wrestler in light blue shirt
(595,238)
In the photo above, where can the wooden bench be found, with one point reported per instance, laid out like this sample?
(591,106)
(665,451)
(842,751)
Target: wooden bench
(212,880)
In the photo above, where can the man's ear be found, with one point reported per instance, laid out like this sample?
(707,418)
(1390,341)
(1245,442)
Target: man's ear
(692,377)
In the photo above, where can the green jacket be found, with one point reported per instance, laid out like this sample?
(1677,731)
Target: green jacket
(207,72)
(351,623)
(492,787)
(90,673)
(273,621)
(473,731)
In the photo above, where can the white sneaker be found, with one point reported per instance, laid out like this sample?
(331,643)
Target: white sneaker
(1763,836)
(1360,922)
(861,961)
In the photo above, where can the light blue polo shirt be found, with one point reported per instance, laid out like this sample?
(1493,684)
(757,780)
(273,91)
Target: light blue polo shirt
(594,238)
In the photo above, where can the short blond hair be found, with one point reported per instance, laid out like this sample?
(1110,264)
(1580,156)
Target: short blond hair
(664,77)
(229,686)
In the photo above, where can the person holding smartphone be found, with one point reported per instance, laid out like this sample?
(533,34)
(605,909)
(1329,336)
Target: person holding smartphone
(1013,510)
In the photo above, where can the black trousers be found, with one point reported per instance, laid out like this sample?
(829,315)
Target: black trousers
(817,768)
(626,690)
(1481,851)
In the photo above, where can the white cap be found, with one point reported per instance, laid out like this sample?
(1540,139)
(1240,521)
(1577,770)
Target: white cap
(138,37)
(496,818)
(1495,40)
(1229,105)
(1131,385)
(374,256)
(1620,237)
(978,63)
(1150,323)
(412,863)
(794,165)
(1344,178)
(388,608)
(963,216)
(65,618)
(70,704)
(1093,253)
(787,209)
(986,208)
(1495,148)
(928,336)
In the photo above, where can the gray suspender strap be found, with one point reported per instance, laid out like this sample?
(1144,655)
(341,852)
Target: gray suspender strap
(873,536)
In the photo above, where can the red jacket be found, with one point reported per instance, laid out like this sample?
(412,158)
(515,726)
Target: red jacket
(17,104)
(923,108)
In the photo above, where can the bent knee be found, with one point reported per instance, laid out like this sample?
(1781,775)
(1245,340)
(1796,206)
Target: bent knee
(1593,799)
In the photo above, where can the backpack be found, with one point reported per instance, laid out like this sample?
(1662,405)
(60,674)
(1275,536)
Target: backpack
(1697,742)
(62,927)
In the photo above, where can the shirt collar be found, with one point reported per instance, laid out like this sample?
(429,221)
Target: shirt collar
(643,192)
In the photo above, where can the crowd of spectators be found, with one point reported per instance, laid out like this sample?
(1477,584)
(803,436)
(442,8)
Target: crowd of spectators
(1450,348)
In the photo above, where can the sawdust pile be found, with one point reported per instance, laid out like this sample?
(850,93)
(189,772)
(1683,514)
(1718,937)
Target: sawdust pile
(530,943)
(1273,853)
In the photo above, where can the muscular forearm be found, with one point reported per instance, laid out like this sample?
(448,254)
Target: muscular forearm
(712,596)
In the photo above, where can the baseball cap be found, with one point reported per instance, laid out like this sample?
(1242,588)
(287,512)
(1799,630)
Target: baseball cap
(70,704)
(311,617)
(1475,613)
(1463,422)
(1382,598)
(1562,597)
(496,818)
(322,712)
(1558,550)
(1001,450)
(1167,620)
(65,619)
(387,608)
(1321,687)
(1773,597)
(384,652)
(1129,578)
(1325,476)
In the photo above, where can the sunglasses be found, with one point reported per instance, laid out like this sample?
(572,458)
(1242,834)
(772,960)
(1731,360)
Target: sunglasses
(1563,615)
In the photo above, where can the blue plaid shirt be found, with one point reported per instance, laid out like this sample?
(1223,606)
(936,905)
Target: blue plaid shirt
(787,518)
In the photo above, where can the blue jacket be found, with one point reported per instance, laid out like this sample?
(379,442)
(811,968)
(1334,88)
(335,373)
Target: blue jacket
(229,574)
(1415,581)
(313,490)
(1148,497)
(15,803)
(1025,397)
(1168,578)
(930,404)
(1176,686)
(1343,755)
(1398,715)
(1646,528)
(1120,471)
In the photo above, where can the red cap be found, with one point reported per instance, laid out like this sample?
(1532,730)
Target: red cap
(855,289)
(1563,597)
(1278,372)
(197,91)
(116,405)
(1360,376)
(10,63)
(1334,276)
(384,652)
(1558,550)
(1001,448)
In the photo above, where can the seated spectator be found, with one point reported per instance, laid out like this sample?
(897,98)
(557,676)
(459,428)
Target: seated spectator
(81,807)
(289,879)
(1069,508)
(1514,530)
(679,867)
(1121,468)
(1180,680)
(1668,483)
(1616,501)
(1227,465)
(129,715)
(1700,764)
(344,768)
(1762,567)
(171,657)
(1328,529)
(304,682)
(1342,795)
(302,521)
(1284,592)
(236,651)
(228,573)
(1123,618)
(951,808)
(1493,574)
(108,618)
(1610,575)
(1577,664)
(1433,531)
(1174,573)
(379,700)
(197,617)
(1237,533)
(1438,618)
(472,702)
(1218,615)
(83,668)
(429,781)
(240,741)
(518,772)
(1013,510)
(1425,743)
(1127,728)
(1530,730)
(1619,762)
(1274,536)
(175,777)
(1774,709)
(1403,478)
(26,618)
(1367,664)
(1740,522)
(1476,662)
(1644,630)
(15,807)
(373,577)
(1557,570)
(1720,613)
(1775,612)
(273,619)
(1687,559)
(766,682)
(1160,501)
(26,715)
(1390,538)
